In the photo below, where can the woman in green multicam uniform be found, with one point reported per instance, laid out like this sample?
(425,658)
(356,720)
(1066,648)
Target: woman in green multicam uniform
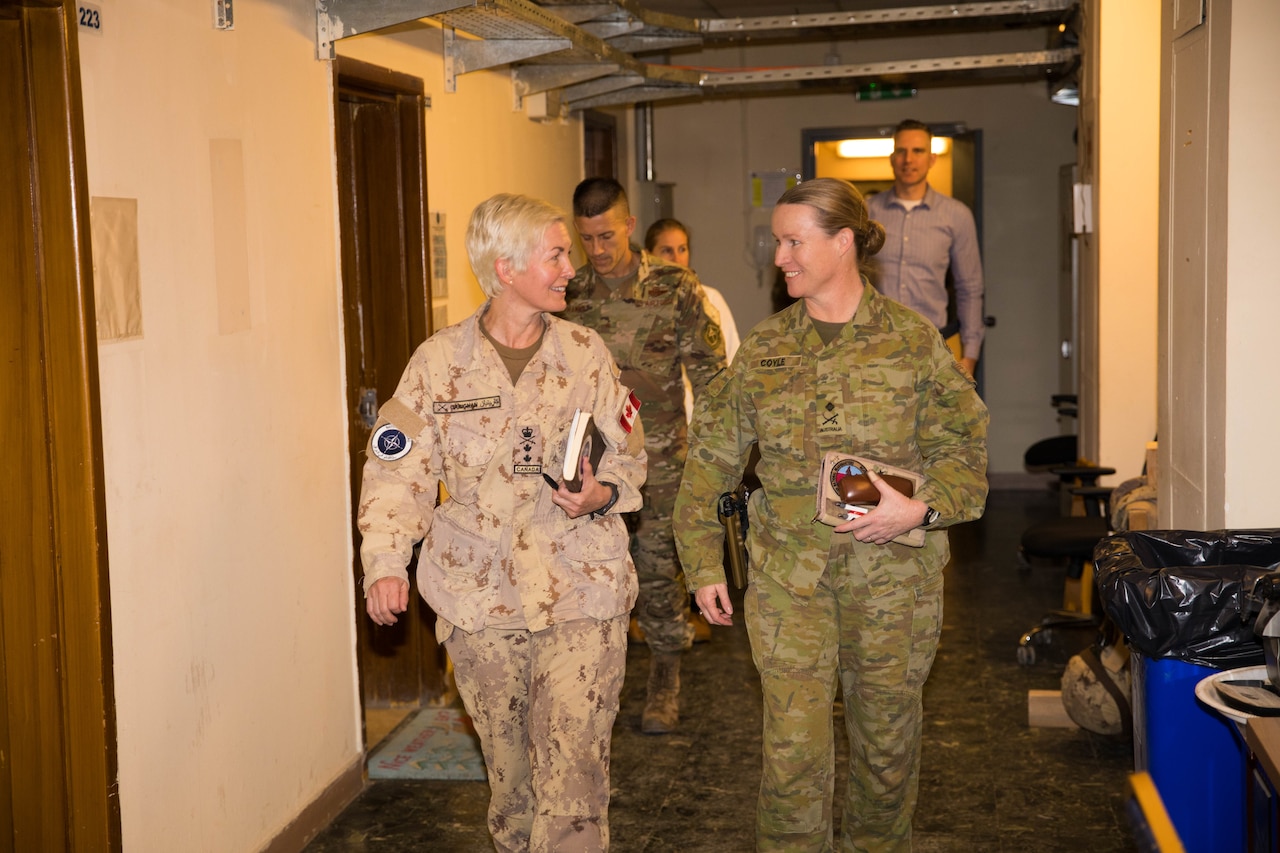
(842,369)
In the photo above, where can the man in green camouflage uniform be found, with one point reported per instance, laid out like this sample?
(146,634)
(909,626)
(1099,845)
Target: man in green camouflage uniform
(655,318)
(842,605)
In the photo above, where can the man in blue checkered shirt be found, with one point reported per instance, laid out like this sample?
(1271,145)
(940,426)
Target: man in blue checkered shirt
(928,233)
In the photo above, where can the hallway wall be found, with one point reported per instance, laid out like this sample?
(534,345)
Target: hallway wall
(708,149)
(223,422)
(478,143)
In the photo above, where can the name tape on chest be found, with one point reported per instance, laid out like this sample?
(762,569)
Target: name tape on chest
(781,362)
(452,407)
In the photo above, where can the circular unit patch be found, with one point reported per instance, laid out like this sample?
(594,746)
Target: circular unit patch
(843,468)
(390,444)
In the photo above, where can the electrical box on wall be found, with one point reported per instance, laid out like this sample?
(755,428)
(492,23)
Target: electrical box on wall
(653,201)
(223,15)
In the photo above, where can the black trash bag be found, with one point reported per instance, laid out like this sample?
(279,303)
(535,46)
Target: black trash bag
(1187,594)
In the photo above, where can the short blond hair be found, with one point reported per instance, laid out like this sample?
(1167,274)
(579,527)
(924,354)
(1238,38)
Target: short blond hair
(507,226)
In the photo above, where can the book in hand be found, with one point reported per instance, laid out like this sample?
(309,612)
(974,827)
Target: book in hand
(846,492)
(583,443)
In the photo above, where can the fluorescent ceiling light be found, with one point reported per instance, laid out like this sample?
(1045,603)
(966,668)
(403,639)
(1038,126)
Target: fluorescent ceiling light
(882,147)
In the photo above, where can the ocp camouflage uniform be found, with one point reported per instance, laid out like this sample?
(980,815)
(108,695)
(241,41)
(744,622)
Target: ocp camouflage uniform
(653,327)
(821,604)
(522,592)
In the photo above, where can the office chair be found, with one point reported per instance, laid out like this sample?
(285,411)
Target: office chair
(1069,537)
(1056,450)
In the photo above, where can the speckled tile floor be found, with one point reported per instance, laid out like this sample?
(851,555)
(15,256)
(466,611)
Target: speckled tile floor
(989,783)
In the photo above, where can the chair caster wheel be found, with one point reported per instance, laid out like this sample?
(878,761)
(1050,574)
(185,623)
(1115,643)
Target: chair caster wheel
(1026,655)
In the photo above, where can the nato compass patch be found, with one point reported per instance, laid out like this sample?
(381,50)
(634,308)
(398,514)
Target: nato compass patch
(390,444)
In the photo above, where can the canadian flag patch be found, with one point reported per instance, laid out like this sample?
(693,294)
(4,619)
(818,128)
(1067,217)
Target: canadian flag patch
(630,409)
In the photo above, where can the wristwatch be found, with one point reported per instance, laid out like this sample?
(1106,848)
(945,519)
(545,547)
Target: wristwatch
(613,499)
(931,515)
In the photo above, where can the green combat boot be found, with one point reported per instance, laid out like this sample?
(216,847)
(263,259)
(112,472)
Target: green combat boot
(662,704)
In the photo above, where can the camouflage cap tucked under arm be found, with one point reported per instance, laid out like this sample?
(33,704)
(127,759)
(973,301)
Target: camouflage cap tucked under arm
(885,388)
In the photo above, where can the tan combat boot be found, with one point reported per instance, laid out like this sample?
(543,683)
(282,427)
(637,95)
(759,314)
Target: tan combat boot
(662,704)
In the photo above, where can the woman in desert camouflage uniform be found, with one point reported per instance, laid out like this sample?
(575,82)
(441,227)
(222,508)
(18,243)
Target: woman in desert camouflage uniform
(531,585)
(843,369)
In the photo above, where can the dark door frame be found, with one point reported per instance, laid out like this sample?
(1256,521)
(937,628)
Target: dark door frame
(387,311)
(59,782)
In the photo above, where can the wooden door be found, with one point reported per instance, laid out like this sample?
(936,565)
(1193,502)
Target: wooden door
(57,720)
(382,199)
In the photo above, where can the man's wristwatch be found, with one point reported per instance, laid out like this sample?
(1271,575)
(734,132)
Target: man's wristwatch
(613,499)
(931,515)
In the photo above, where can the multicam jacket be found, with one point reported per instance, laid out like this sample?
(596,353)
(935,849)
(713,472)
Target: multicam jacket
(457,419)
(886,388)
(662,322)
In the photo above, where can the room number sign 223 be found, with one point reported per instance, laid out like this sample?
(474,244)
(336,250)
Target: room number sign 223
(90,16)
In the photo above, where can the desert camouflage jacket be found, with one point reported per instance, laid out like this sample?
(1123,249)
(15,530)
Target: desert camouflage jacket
(886,387)
(653,328)
(457,419)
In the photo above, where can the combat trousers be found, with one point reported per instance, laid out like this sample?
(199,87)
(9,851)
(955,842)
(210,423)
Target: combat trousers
(662,607)
(544,704)
(877,637)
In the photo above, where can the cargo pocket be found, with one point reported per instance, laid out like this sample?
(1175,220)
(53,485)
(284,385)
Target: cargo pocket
(458,581)
(596,555)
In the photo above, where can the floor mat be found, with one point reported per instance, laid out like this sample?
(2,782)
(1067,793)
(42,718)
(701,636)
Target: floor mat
(433,743)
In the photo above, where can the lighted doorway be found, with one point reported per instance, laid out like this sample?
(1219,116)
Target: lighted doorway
(860,154)
(957,172)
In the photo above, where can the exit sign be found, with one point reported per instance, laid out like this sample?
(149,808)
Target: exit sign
(883,92)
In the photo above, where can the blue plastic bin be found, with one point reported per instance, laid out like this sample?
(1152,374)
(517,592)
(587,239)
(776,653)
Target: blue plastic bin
(1195,756)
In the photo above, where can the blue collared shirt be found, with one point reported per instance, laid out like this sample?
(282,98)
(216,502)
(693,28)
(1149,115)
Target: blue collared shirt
(920,245)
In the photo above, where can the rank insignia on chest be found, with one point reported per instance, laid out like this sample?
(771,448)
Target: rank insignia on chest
(527,455)
(830,419)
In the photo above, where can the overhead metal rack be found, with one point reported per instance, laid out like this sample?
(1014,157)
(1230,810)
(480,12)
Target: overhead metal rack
(583,54)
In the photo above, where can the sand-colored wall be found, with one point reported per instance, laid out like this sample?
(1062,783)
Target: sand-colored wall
(224,428)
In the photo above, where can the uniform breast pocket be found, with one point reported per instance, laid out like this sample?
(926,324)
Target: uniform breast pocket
(467,446)
(883,397)
(781,408)
(654,347)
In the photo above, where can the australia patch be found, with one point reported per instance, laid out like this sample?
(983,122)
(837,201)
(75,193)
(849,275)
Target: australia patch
(390,444)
